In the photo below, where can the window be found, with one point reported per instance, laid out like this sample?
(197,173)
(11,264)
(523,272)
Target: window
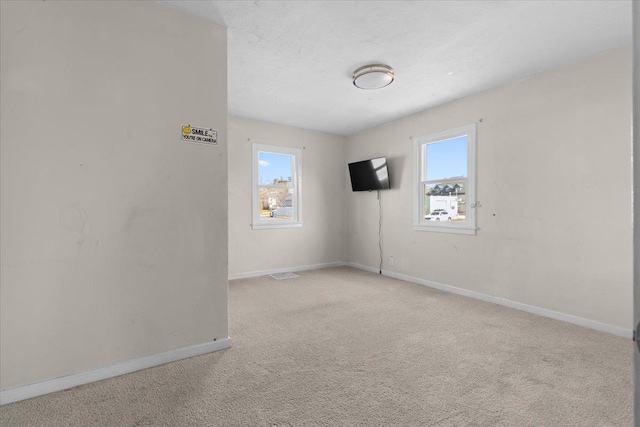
(444,183)
(276,187)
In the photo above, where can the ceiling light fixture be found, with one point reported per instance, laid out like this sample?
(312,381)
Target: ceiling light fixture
(375,76)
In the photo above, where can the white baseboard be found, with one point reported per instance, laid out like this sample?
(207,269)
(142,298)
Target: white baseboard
(282,270)
(74,380)
(365,268)
(604,327)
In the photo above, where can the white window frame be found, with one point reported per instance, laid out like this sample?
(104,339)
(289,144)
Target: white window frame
(259,223)
(419,145)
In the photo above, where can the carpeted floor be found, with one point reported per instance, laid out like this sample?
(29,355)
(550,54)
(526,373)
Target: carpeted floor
(343,347)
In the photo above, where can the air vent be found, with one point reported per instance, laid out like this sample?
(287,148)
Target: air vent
(285,275)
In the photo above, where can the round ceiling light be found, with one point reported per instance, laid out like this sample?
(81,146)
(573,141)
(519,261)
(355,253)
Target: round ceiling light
(374,76)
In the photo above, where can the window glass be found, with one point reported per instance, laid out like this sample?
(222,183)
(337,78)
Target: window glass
(275,177)
(275,169)
(276,186)
(444,185)
(446,159)
(450,198)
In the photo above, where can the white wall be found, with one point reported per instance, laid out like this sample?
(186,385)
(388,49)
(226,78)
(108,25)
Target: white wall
(321,239)
(114,233)
(554,181)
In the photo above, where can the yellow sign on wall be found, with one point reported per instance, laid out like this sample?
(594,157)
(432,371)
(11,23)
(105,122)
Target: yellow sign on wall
(199,135)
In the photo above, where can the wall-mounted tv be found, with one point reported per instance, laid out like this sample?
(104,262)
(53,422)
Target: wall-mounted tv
(369,175)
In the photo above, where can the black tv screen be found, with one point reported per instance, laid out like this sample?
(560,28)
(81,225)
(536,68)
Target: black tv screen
(369,175)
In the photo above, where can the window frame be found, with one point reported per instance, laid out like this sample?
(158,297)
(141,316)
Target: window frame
(256,221)
(419,168)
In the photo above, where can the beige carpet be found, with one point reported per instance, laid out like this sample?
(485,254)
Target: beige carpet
(343,347)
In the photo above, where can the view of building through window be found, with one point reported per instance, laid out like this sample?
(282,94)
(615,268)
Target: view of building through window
(445,183)
(448,197)
(276,185)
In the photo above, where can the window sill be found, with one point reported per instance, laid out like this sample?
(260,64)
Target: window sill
(261,226)
(444,228)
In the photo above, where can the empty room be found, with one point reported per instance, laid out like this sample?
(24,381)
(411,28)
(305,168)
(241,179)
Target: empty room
(319,213)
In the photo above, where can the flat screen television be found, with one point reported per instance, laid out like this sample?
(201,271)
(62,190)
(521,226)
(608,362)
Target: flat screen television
(369,175)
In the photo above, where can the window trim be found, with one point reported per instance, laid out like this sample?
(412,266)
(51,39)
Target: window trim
(258,223)
(419,224)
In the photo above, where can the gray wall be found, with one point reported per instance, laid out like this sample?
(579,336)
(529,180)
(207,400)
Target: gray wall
(114,233)
(636,202)
(554,182)
(321,239)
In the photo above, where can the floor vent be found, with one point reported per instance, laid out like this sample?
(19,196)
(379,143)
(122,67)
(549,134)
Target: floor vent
(286,275)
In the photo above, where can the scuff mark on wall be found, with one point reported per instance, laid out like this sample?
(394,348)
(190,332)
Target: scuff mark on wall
(73,219)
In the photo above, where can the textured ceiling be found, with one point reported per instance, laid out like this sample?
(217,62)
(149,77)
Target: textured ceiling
(291,62)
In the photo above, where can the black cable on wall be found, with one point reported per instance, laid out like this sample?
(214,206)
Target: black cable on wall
(380,228)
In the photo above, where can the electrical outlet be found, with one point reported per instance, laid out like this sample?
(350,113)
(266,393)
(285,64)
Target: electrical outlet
(390,260)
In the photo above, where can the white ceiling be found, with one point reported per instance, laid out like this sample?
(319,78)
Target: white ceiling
(290,62)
